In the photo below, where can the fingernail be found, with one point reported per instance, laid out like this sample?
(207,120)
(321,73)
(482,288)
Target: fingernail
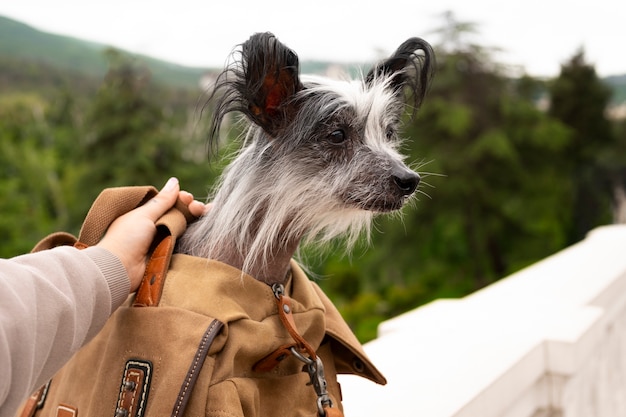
(170,184)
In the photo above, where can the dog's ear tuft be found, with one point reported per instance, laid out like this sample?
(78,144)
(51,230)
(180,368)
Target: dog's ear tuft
(410,67)
(260,82)
(270,72)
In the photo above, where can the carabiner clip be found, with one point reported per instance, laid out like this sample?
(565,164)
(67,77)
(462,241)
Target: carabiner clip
(315,369)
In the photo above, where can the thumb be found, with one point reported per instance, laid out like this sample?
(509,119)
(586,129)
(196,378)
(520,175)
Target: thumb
(163,201)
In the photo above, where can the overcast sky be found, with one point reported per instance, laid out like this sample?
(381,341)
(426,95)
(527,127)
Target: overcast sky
(537,35)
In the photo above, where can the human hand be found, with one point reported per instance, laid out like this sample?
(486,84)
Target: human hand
(129,236)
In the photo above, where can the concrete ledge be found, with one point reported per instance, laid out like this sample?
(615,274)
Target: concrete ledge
(522,347)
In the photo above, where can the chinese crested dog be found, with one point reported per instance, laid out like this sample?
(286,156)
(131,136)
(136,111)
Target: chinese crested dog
(319,160)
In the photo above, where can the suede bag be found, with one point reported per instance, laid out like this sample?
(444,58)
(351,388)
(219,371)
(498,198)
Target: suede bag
(201,338)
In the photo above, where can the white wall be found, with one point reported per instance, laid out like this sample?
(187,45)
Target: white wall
(548,341)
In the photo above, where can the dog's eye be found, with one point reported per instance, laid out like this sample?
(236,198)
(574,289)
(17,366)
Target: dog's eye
(390,132)
(337,137)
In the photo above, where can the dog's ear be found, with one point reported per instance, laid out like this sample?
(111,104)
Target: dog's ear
(271,78)
(410,67)
(261,82)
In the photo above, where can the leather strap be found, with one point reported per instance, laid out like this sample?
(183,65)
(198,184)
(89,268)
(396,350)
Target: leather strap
(115,202)
(313,365)
(272,360)
(285,312)
(169,227)
(36,401)
(108,206)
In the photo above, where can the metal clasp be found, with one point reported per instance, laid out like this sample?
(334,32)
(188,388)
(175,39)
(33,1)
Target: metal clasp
(315,369)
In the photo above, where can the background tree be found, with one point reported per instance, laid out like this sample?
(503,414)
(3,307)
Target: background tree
(579,100)
(139,133)
(125,140)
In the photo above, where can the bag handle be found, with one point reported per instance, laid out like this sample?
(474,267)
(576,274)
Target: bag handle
(108,206)
(115,202)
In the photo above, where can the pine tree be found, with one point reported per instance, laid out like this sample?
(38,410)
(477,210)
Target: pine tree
(579,99)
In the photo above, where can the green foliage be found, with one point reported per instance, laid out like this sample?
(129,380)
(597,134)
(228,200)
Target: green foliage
(32,178)
(60,148)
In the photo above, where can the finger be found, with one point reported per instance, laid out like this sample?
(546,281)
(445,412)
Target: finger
(163,201)
(197,208)
(185,196)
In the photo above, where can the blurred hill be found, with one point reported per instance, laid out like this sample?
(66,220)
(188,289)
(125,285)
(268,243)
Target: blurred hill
(24,47)
(22,43)
(618,85)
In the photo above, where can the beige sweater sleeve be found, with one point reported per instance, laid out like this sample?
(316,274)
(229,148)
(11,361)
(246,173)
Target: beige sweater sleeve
(51,304)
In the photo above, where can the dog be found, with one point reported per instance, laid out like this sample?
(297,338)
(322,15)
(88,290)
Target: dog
(320,157)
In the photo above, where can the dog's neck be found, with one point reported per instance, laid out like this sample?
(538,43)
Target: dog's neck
(275,269)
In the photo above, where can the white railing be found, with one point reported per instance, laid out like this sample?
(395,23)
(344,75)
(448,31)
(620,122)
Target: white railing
(548,341)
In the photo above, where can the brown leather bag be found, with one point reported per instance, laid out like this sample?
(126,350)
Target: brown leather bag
(200,338)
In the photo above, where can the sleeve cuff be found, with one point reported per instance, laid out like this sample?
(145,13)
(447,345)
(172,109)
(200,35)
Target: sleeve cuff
(114,273)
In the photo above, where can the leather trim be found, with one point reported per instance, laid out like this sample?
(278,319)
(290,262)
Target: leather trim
(134,389)
(195,367)
(151,287)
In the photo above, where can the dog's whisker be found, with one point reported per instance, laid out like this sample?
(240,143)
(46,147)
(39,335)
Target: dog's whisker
(424,194)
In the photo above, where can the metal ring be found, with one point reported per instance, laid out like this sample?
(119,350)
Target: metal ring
(300,356)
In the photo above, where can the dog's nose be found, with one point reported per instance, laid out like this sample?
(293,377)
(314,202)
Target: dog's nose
(406,181)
